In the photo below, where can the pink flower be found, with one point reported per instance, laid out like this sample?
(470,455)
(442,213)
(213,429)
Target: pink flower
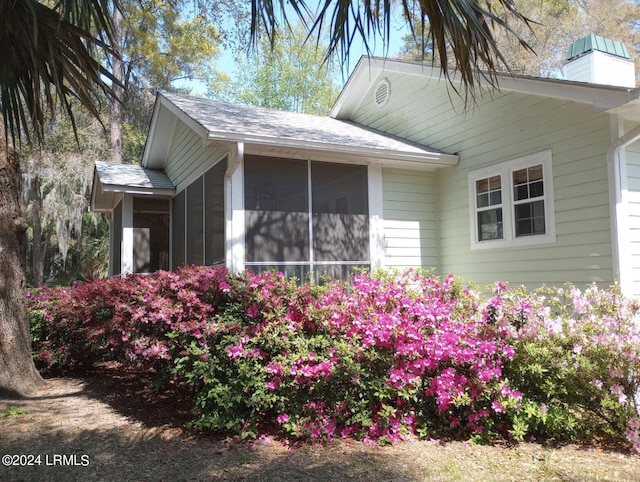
(616,373)
(253,311)
(497,407)
(619,390)
(273,385)
(283,418)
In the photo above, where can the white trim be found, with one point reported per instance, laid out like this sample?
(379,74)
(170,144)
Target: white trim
(111,242)
(171,205)
(126,252)
(619,201)
(505,170)
(376,216)
(417,156)
(235,235)
(310,212)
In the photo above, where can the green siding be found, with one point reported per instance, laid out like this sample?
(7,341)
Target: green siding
(189,157)
(633,198)
(633,166)
(503,127)
(410,228)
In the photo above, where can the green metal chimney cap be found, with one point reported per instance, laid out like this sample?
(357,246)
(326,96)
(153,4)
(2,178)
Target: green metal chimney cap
(593,42)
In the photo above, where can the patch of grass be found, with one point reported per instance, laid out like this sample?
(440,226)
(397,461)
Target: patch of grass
(14,412)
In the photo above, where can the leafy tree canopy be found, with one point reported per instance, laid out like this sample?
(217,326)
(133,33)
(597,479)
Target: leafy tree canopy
(290,74)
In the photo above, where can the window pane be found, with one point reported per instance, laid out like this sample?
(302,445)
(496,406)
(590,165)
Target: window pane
(488,192)
(490,224)
(529,218)
(528,183)
(177,231)
(276,209)
(495,197)
(214,217)
(521,192)
(535,173)
(536,189)
(340,210)
(519,177)
(195,223)
(482,186)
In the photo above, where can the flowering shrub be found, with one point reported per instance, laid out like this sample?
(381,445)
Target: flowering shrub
(381,358)
(384,357)
(577,361)
(140,320)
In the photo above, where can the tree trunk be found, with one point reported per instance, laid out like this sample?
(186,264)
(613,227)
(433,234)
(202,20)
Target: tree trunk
(118,72)
(18,374)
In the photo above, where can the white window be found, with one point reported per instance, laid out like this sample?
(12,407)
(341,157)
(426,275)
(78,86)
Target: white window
(511,204)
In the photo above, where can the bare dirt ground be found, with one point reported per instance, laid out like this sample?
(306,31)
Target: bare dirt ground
(108,426)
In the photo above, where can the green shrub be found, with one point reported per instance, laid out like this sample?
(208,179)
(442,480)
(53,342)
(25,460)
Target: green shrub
(384,357)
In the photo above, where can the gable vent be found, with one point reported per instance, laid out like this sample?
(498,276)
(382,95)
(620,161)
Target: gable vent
(382,93)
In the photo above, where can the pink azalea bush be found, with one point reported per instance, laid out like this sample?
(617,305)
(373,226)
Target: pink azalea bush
(384,357)
(577,359)
(138,320)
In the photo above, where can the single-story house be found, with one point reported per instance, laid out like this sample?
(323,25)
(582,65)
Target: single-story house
(538,182)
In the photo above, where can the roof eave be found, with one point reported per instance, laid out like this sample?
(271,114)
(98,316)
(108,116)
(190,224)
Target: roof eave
(368,69)
(125,189)
(432,158)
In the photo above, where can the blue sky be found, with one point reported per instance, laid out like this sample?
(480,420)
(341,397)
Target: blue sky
(226,63)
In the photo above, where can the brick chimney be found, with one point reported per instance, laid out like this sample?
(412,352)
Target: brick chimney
(599,61)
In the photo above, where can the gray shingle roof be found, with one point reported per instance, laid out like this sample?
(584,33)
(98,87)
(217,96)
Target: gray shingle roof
(223,120)
(116,176)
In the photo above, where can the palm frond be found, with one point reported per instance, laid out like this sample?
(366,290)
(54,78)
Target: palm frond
(47,62)
(461,31)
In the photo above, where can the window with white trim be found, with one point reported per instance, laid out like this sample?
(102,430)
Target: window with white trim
(511,203)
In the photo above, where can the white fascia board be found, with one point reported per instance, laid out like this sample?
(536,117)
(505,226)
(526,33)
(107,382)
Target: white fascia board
(359,81)
(180,114)
(138,190)
(602,97)
(153,127)
(95,185)
(432,158)
(163,123)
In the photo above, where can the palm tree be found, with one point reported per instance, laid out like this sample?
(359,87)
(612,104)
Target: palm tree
(47,63)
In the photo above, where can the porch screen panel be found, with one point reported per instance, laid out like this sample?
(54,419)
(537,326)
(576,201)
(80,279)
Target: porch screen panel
(117,239)
(340,212)
(276,210)
(177,231)
(195,223)
(214,220)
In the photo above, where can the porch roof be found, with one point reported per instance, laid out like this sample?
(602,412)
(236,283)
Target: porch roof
(110,180)
(218,121)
